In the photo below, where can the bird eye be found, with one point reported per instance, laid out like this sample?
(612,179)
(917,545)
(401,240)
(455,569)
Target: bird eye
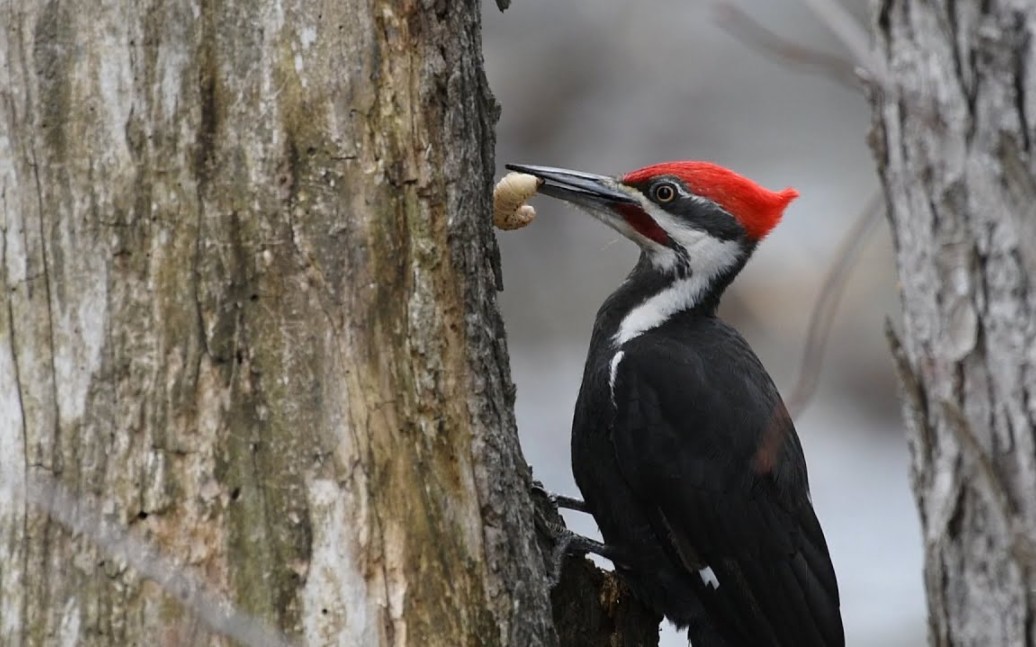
(665,192)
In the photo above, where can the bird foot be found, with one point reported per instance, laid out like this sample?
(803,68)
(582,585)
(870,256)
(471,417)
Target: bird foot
(567,543)
(559,500)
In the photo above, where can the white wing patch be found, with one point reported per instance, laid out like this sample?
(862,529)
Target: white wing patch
(708,577)
(616,358)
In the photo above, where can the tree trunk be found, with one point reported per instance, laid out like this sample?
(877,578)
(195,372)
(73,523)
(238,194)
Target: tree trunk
(953,139)
(248,305)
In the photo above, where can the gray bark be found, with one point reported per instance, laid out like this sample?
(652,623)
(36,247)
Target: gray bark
(954,129)
(246,305)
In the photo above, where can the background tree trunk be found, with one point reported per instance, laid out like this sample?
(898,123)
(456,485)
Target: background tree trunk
(247,304)
(953,138)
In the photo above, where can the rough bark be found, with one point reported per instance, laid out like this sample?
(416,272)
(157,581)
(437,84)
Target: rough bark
(592,607)
(247,301)
(953,139)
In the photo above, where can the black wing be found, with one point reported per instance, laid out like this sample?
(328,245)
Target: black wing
(728,488)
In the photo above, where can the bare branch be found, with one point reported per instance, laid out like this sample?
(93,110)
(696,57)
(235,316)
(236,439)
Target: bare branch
(82,515)
(742,26)
(852,34)
(827,304)
(863,68)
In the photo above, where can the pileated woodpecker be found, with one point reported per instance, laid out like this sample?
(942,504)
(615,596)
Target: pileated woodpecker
(681,445)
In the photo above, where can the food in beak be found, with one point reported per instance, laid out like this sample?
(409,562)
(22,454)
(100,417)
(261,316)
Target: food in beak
(509,196)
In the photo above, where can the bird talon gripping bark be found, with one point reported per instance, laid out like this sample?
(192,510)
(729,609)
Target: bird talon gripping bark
(558,500)
(568,503)
(567,543)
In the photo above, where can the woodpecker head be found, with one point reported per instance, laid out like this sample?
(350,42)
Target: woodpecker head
(689,218)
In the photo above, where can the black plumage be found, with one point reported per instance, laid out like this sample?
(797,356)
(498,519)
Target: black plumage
(680,481)
(681,445)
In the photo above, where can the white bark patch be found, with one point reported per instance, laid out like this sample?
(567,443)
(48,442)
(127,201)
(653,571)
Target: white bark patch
(339,606)
(12,469)
(79,327)
(170,65)
(396,581)
(114,83)
(961,333)
(69,630)
(78,276)
(960,328)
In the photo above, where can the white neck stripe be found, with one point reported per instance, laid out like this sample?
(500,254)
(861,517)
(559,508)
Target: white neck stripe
(709,257)
(655,311)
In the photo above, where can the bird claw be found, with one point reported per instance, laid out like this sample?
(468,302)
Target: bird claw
(559,500)
(567,543)
(536,487)
(562,538)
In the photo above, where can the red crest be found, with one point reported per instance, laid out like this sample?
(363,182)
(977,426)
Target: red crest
(757,208)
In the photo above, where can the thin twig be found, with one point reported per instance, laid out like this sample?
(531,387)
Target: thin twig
(742,26)
(827,304)
(82,515)
(853,35)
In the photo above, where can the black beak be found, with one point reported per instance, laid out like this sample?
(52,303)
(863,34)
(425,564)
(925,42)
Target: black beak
(584,189)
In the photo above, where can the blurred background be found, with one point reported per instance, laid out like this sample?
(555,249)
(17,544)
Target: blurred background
(608,86)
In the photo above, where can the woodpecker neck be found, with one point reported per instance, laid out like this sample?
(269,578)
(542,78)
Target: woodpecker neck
(651,296)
